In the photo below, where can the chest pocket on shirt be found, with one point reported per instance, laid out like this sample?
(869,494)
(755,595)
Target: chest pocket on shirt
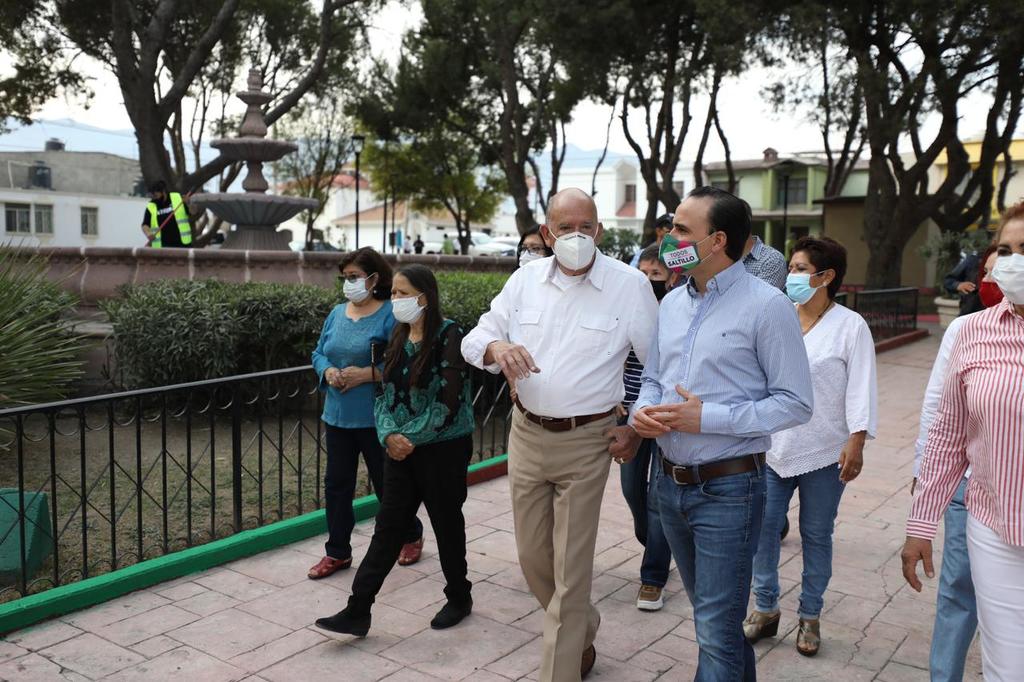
(598,334)
(527,328)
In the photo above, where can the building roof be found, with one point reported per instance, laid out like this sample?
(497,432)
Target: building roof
(85,172)
(375,215)
(627,210)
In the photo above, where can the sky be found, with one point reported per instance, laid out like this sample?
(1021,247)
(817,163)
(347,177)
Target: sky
(748,120)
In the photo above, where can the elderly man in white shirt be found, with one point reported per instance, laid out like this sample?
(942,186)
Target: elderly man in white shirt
(560,330)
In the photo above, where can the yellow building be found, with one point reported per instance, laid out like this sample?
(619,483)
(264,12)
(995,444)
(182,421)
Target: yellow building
(1015,189)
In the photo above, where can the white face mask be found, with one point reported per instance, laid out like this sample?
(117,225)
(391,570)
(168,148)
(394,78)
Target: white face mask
(575,250)
(1008,274)
(406,310)
(528,257)
(355,291)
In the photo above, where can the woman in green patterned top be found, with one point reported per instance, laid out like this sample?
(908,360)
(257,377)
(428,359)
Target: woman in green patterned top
(424,417)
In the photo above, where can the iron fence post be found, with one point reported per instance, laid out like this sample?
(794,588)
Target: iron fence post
(236,457)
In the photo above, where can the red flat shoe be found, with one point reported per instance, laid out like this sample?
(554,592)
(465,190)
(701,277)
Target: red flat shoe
(411,553)
(328,566)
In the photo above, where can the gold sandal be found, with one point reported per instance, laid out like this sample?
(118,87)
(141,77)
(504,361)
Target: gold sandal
(759,625)
(808,637)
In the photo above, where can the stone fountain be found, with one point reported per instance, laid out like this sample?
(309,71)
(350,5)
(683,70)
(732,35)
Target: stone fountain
(255,214)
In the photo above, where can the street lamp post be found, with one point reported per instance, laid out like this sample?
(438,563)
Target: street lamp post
(357,147)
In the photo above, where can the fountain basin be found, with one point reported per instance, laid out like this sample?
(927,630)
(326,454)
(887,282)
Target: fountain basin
(253,148)
(253,210)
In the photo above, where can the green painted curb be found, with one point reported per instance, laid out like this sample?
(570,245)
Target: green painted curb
(28,610)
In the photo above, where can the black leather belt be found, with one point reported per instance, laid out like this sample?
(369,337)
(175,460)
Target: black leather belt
(692,475)
(560,424)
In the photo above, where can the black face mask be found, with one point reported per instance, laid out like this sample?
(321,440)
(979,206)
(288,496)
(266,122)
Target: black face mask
(659,289)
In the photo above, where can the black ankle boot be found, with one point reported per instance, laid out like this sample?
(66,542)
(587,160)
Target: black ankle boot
(451,614)
(346,623)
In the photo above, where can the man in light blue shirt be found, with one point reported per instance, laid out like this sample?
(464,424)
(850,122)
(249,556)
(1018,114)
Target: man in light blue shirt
(727,370)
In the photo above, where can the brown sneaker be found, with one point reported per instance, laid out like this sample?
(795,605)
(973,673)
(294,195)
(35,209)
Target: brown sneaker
(587,662)
(328,566)
(649,598)
(411,553)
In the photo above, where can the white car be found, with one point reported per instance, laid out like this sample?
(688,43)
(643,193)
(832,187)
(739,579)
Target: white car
(483,244)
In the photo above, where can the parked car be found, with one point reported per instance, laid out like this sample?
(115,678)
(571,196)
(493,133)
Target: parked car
(483,244)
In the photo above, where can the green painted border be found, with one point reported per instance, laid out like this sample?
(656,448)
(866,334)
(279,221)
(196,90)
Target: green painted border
(28,610)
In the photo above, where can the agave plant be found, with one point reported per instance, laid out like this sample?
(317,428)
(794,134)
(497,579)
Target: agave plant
(39,352)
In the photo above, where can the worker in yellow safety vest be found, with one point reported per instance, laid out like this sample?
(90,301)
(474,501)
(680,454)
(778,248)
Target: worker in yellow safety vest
(163,231)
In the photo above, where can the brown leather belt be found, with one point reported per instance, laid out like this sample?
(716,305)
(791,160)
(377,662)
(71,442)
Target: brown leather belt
(560,424)
(692,475)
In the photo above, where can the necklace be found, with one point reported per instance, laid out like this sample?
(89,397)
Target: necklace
(818,318)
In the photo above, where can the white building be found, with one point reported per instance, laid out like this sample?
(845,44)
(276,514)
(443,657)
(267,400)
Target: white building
(56,197)
(619,190)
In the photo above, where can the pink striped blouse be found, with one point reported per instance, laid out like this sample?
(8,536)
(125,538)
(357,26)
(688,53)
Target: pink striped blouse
(980,423)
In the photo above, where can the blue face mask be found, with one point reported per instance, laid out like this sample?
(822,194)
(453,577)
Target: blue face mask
(798,287)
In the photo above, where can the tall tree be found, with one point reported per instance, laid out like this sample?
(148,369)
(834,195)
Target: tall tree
(916,59)
(35,64)
(323,135)
(817,76)
(437,172)
(177,61)
(681,48)
(486,69)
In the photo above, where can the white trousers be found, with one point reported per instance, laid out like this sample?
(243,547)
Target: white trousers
(997,570)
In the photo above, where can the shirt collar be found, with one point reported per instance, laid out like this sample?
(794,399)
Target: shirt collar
(721,282)
(595,275)
(1005,309)
(758,251)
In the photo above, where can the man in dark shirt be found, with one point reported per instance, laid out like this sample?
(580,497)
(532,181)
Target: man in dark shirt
(418,244)
(164,203)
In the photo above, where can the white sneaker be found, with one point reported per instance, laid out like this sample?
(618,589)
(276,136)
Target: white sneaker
(649,598)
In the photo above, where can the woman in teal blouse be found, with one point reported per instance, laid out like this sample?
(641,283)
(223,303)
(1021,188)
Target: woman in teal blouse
(425,420)
(344,361)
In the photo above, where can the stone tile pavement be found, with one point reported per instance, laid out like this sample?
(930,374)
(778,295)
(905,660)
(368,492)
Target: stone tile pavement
(251,619)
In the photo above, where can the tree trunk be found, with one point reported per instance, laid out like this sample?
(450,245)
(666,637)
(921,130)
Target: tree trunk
(647,237)
(520,191)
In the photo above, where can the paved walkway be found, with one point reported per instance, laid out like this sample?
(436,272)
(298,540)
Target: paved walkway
(251,619)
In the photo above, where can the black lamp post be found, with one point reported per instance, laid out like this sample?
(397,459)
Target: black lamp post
(357,147)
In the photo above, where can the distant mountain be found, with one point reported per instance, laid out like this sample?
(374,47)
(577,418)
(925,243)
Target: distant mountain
(77,137)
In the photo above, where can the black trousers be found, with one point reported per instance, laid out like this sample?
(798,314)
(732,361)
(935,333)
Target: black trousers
(343,448)
(436,475)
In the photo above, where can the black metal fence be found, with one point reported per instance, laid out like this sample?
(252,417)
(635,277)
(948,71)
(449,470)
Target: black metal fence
(95,484)
(888,312)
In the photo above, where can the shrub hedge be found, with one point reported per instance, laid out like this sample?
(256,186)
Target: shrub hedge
(174,331)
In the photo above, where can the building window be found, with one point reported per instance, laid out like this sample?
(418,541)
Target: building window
(16,218)
(44,219)
(678,187)
(797,191)
(630,193)
(724,185)
(90,221)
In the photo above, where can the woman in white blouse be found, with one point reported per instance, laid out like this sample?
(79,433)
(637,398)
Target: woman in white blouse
(820,457)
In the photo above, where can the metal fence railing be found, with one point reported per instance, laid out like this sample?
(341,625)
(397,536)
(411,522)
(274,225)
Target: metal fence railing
(888,312)
(95,484)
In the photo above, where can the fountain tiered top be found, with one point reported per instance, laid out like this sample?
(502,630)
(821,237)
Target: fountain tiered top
(255,213)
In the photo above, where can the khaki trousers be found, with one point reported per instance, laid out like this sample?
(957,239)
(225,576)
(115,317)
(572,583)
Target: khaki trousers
(557,482)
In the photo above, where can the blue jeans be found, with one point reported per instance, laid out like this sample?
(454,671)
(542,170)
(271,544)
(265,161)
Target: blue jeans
(956,617)
(646,523)
(820,492)
(712,528)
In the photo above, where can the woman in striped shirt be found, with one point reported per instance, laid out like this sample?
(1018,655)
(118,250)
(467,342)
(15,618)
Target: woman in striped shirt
(980,423)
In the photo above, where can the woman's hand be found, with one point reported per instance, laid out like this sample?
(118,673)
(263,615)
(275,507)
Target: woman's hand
(332,375)
(851,459)
(915,550)
(350,377)
(399,447)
